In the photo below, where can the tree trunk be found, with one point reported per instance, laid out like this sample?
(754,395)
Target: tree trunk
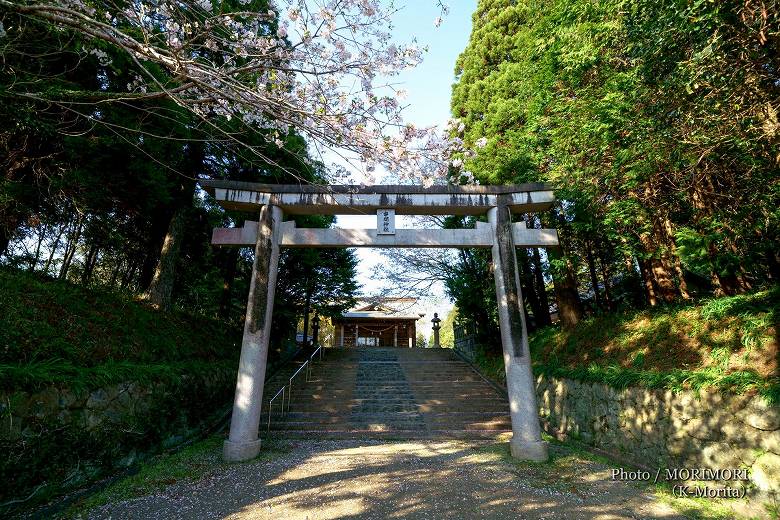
(664,280)
(35,260)
(658,269)
(53,249)
(647,278)
(229,265)
(654,242)
(564,281)
(529,290)
(5,240)
(89,264)
(161,289)
(544,302)
(70,248)
(152,250)
(306,311)
(543,319)
(741,276)
(565,287)
(593,278)
(683,286)
(132,264)
(606,277)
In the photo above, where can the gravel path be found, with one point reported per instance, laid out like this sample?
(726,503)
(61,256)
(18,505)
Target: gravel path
(349,479)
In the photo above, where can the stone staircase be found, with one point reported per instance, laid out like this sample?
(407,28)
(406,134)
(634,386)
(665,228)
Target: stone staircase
(392,392)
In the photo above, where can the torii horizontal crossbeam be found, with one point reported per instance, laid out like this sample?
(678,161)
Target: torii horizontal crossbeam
(480,237)
(358,200)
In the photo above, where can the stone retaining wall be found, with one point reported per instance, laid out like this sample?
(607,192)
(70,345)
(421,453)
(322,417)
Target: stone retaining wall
(660,428)
(64,436)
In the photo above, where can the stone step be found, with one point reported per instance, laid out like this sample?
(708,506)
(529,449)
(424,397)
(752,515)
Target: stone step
(433,398)
(316,415)
(306,407)
(391,404)
(384,390)
(392,425)
(394,393)
(369,382)
(394,434)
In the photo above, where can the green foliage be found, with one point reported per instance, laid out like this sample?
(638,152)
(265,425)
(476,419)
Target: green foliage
(57,372)
(58,337)
(190,463)
(723,329)
(675,380)
(714,345)
(490,365)
(663,160)
(57,331)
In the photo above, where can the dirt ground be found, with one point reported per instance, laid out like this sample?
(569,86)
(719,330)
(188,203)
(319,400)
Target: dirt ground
(348,479)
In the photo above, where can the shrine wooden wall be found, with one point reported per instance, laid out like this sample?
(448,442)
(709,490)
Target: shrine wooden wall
(378,328)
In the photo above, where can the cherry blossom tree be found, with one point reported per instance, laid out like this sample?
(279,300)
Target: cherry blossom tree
(320,68)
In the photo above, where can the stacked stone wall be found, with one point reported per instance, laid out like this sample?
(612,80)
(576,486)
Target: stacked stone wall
(659,428)
(61,437)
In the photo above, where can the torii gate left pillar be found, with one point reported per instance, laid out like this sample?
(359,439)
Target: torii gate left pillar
(243,442)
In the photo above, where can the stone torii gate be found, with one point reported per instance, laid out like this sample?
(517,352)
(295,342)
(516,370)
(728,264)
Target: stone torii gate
(270,233)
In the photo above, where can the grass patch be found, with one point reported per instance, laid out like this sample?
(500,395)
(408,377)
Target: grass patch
(730,334)
(190,464)
(675,380)
(39,374)
(729,344)
(48,328)
(568,461)
(67,340)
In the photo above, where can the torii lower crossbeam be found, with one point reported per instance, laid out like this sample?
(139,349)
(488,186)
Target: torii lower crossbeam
(291,236)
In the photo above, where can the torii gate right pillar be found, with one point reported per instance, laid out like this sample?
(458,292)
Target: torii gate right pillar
(526,443)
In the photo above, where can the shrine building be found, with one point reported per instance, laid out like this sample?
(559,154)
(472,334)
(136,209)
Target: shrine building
(379,322)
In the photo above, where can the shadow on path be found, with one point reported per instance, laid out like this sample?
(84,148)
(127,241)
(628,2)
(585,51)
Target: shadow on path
(397,480)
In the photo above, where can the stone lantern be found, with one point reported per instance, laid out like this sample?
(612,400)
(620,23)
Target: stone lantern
(315,331)
(436,328)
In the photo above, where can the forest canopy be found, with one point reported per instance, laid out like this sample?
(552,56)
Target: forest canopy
(656,121)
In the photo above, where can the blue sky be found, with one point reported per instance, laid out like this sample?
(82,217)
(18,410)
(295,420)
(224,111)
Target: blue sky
(429,87)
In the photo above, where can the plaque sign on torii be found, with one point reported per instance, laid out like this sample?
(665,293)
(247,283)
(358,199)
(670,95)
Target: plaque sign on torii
(270,233)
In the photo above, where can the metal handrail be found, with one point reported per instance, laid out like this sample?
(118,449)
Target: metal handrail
(289,385)
(286,390)
(271,403)
(311,362)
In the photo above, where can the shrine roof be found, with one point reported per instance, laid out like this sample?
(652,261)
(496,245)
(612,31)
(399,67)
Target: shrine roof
(380,315)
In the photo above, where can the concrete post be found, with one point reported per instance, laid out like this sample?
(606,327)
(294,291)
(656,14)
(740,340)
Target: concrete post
(357,331)
(526,443)
(243,442)
(341,335)
(409,333)
(395,336)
